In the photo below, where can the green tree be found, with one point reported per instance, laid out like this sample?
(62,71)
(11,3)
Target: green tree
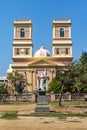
(3,89)
(83,58)
(17,82)
(54,86)
(66,77)
(78,74)
(3,92)
(81,70)
(73,78)
(67,80)
(64,81)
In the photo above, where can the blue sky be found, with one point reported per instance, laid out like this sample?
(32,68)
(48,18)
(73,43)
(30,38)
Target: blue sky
(42,13)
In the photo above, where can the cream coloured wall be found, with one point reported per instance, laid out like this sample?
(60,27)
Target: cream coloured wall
(22,55)
(57,32)
(61,42)
(62,54)
(28,64)
(22,42)
(27,32)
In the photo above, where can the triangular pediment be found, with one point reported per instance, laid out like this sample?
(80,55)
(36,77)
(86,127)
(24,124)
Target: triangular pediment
(42,62)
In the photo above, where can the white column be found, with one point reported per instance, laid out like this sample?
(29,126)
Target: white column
(14,32)
(53,32)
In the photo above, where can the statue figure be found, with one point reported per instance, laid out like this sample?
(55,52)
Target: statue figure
(43,81)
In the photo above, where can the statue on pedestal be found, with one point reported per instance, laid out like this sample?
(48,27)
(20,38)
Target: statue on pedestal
(42,100)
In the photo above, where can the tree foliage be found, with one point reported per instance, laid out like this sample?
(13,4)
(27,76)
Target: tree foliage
(3,89)
(83,58)
(73,77)
(54,86)
(17,82)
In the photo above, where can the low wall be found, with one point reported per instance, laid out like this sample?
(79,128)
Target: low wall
(68,97)
(32,97)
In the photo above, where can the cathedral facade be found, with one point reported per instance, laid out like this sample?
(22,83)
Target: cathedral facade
(35,66)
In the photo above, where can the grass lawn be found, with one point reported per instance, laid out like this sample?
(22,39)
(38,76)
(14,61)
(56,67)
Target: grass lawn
(67,110)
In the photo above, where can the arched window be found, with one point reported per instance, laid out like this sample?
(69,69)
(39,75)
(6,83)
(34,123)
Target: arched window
(22,32)
(61,32)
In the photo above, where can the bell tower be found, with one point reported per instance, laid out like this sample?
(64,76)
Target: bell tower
(22,42)
(61,43)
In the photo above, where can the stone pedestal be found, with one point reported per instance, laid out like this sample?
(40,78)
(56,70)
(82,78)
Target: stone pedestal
(42,102)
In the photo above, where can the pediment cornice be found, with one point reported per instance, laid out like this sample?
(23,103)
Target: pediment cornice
(42,62)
